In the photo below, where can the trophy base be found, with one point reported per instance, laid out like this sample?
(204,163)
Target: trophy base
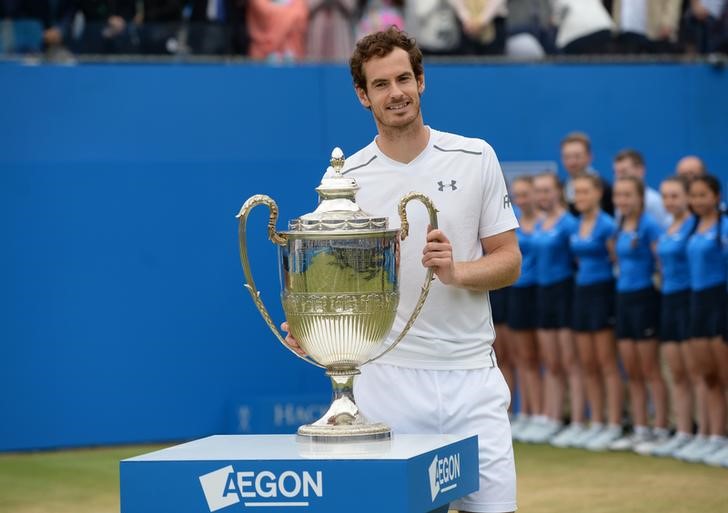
(343,422)
(346,433)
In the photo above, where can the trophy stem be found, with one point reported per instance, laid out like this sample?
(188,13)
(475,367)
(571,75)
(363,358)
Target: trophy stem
(343,421)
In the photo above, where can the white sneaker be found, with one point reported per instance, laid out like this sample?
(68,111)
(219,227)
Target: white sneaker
(603,440)
(716,459)
(629,442)
(678,441)
(713,445)
(660,437)
(534,427)
(695,446)
(548,430)
(587,435)
(519,426)
(567,437)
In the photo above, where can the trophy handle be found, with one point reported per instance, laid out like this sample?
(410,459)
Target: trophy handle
(428,277)
(276,238)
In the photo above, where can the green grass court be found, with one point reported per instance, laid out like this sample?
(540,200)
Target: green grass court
(549,481)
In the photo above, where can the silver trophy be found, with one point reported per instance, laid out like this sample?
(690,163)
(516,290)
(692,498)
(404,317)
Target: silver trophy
(339,273)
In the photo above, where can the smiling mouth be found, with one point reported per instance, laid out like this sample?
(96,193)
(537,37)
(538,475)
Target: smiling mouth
(398,106)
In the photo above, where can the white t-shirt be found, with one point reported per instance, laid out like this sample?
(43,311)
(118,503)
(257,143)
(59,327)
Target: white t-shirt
(579,18)
(633,17)
(464,180)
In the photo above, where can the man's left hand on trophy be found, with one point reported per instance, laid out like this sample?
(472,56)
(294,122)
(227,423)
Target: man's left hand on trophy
(292,342)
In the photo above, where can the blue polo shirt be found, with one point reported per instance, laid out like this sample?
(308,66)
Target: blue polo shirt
(591,251)
(706,258)
(554,260)
(672,252)
(528,262)
(634,255)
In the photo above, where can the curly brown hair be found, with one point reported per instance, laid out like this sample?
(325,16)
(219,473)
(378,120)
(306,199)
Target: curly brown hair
(381,44)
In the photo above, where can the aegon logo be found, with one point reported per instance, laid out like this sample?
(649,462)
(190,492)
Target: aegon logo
(443,471)
(225,487)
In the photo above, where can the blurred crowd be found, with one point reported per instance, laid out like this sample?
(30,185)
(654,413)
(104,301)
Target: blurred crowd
(615,336)
(292,30)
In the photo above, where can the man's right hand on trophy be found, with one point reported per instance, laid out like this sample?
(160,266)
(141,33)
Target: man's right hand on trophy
(292,342)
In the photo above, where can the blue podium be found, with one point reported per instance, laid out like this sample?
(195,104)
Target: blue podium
(228,473)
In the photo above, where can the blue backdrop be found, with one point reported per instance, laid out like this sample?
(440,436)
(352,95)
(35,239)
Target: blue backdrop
(122,312)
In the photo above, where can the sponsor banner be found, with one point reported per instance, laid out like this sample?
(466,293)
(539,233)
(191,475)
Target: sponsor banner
(284,485)
(419,483)
(447,474)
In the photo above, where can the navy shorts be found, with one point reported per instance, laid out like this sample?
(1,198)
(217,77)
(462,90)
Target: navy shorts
(554,305)
(707,312)
(594,307)
(521,311)
(638,314)
(675,316)
(498,305)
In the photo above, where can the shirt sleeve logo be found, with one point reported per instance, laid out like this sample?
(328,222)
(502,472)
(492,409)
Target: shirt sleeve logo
(506,201)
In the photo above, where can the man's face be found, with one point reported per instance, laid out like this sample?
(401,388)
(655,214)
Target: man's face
(575,157)
(689,167)
(628,167)
(393,91)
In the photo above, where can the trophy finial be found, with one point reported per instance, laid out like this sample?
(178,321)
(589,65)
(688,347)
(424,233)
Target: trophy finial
(337,160)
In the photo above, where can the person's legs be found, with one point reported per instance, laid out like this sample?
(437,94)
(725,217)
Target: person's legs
(635,381)
(607,355)
(527,348)
(692,354)
(681,393)
(650,368)
(572,368)
(714,395)
(592,377)
(553,375)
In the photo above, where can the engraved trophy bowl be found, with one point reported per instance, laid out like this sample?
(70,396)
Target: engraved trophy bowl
(339,274)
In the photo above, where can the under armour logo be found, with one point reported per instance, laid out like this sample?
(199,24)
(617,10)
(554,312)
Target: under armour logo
(441,186)
(506,201)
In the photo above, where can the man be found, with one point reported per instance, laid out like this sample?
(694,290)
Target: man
(690,167)
(576,156)
(443,377)
(631,163)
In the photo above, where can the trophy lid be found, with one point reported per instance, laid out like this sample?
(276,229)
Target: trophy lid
(337,209)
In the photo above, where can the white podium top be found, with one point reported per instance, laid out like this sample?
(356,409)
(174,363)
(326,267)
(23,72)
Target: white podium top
(289,447)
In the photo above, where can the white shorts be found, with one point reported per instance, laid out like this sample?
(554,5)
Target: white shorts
(467,402)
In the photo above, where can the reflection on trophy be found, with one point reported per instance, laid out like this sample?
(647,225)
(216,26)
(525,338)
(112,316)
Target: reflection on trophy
(339,269)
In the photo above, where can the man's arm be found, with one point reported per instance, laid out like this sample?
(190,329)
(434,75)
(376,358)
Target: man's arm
(498,268)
